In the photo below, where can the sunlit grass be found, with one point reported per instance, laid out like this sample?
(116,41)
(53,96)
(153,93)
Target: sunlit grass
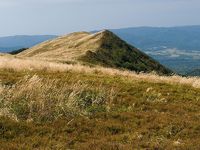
(48,105)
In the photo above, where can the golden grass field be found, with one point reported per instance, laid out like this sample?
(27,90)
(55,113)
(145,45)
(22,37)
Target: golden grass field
(69,47)
(52,105)
(21,64)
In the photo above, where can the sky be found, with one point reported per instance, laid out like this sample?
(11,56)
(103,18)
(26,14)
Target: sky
(58,17)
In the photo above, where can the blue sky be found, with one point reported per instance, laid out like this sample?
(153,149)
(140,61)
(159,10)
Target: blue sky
(30,17)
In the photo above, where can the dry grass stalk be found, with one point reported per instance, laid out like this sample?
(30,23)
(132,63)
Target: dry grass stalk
(35,98)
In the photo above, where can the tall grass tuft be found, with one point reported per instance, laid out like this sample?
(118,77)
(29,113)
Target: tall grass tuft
(37,99)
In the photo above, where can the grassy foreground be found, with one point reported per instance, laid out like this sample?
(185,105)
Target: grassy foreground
(81,110)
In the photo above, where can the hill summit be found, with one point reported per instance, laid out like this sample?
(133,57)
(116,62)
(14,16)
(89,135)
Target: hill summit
(102,48)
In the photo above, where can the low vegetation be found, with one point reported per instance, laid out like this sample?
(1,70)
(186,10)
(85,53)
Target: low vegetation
(17,51)
(48,105)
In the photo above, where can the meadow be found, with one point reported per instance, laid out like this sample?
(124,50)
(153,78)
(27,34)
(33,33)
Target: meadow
(52,105)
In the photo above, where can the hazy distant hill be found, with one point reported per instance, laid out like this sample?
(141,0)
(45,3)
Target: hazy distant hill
(195,72)
(176,47)
(11,43)
(186,38)
(102,48)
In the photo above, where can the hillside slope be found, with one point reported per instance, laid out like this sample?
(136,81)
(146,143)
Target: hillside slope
(103,48)
(48,105)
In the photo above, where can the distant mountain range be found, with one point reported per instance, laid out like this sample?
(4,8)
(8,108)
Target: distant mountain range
(175,47)
(185,38)
(195,72)
(11,43)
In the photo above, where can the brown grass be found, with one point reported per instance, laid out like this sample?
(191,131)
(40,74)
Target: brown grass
(67,47)
(33,64)
(34,98)
(103,48)
(58,106)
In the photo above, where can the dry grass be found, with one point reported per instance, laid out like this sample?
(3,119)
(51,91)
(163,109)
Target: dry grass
(58,106)
(67,47)
(33,64)
(36,99)
(103,48)
(4,54)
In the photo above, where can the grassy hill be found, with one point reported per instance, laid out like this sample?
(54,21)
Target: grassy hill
(103,48)
(48,105)
(79,92)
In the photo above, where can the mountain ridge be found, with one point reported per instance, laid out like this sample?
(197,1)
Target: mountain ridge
(102,48)
(158,42)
